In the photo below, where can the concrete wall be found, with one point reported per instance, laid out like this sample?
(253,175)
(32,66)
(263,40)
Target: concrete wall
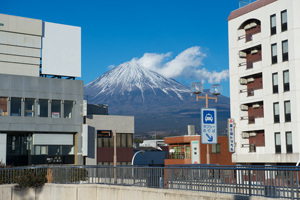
(20,45)
(106,192)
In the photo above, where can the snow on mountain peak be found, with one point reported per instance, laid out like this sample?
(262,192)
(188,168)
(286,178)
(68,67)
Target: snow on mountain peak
(129,76)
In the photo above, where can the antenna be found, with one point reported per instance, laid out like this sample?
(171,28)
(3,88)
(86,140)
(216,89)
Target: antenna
(1,111)
(243,3)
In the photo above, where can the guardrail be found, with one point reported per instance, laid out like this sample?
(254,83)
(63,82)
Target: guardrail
(279,182)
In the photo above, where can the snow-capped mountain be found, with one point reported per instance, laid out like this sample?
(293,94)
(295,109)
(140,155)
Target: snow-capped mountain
(158,103)
(129,77)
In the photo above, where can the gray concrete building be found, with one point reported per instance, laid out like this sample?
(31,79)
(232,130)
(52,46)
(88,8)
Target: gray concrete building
(40,112)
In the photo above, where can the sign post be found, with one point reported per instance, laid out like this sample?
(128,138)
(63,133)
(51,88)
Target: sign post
(231,135)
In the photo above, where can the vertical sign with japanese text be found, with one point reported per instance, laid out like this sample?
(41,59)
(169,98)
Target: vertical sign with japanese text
(231,141)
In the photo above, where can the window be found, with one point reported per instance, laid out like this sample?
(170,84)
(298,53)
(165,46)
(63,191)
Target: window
(287,111)
(54,150)
(129,140)
(285,51)
(43,108)
(55,108)
(15,106)
(29,107)
(275,83)
(3,106)
(284,20)
(216,148)
(274,53)
(273,24)
(286,81)
(289,145)
(276,112)
(68,109)
(277,143)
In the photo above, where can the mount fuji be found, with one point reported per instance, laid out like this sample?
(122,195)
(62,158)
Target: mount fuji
(158,103)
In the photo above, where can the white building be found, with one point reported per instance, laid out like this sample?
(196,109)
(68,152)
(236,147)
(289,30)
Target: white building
(264,58)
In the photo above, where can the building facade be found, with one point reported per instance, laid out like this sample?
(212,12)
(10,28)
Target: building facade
(264,60)
(182,151)
(40,113)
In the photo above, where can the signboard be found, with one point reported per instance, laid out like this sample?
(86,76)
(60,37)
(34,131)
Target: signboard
(55,114)
(54,159)
(231,135)
(195,152)
(84,107)
(84,140)
(209,126)
(104,134)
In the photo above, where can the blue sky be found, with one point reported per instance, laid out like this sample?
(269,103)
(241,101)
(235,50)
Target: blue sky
(114,32)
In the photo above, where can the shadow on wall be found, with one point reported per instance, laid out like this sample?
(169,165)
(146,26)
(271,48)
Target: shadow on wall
(91,142)
(237,197)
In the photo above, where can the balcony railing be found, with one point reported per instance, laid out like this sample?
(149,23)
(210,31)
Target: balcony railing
(249,35)
(179,155)
(249,64)
(250,91)
(251,119)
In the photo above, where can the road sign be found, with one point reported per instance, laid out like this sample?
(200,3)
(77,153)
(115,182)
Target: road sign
(231,140)
(195,152)
(209,126)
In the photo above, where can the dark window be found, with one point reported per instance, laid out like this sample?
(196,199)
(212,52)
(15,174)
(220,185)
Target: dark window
(275,83)
(287,111)
(286,81)
(274,53)
(252,148)
(284,20)
(289,143)
(277,143)
(43,108)
(216,148)
(285,51)
(29,107)
(273,24)
(55,108)
(276,112)
(15,106)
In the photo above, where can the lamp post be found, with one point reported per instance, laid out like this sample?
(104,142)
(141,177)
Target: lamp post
(216,89)
(142,152)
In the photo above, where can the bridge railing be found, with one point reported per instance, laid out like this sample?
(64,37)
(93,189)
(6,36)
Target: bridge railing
(278,182)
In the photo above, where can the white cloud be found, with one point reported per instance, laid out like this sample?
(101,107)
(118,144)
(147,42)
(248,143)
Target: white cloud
(111,67)
(186,66)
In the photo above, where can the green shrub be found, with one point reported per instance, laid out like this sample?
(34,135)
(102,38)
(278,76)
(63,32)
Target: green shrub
(31,180)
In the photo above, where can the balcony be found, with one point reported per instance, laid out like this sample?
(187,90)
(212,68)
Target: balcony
(252,119)
(248,31)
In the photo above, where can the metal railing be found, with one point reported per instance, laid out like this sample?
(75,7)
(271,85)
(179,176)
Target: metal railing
(279,182)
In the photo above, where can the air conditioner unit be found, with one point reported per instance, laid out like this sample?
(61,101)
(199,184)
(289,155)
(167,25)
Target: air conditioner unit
(244,108)
(250,80)
(255,106)
(245,135)
(252,134)
(243,81)
(242,54)
(254,51)
(247,27)
(253,25)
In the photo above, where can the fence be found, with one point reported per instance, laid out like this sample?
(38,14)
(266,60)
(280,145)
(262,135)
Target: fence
(279,182)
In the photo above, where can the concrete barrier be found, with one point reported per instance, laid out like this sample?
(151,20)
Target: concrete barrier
(109,192)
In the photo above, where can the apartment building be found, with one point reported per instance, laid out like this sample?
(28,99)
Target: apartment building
(264,60)
(40,101)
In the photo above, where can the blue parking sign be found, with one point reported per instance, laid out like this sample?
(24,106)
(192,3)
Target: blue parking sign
(209,126)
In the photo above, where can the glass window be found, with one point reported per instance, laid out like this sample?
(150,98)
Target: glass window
(55,108)
(284,20)
(277,143)
(177,154)
(43,108)
(188,152)
(274,53)
(29,107)
(276,112)
(118,140)
(286,81)
(129,140)
(216,148)
(273,24)
(67,150)
(285,51)
(54,150)
(3,105)
(123,140)
(15,106)
(40,150)
(287,111)
(68,109)
(275,83)
(105,142)
(289,143)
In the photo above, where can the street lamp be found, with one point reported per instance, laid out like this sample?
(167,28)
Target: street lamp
(142,152)
(215,89)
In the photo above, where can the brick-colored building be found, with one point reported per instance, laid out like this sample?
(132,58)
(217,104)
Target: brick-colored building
(181,146)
